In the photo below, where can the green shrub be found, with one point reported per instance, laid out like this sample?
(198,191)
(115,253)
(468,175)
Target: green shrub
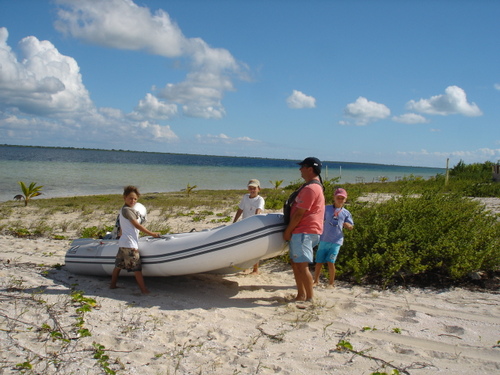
(487,189)
(275,199)
(159,226)
(436,233)
(19,232)
(474,172)
(95,232)
(41,229)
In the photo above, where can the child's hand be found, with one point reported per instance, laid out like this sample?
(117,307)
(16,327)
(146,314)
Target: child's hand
(156,234)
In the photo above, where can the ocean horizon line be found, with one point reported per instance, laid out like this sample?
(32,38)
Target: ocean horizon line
(213,156)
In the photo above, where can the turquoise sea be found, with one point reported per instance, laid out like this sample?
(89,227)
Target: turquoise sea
(75,172)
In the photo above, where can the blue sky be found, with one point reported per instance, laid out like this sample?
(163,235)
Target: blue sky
(388,81)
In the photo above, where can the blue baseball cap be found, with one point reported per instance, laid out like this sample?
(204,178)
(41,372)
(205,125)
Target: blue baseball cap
(313,162)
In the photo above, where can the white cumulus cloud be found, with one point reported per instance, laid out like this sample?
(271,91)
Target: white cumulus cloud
(364,111)
(453,101)
(122,24)
(159,133)
(299,100)
(44,101)
(42,81)
(151,107)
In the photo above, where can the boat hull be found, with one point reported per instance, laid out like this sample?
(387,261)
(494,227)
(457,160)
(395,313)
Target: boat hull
(227,249)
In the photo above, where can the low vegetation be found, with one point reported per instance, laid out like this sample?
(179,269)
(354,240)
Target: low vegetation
(58,328)
(30,191)
(410,238)
(94,216)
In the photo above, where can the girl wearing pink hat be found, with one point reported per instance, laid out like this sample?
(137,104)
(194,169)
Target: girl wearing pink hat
(336,219)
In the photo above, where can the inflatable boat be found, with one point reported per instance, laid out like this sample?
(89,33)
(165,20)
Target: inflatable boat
(226,249)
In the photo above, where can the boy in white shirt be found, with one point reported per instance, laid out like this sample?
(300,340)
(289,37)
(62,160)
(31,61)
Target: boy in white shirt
(128,256)
(251,204)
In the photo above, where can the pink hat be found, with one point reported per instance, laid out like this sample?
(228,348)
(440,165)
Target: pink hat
(341,192)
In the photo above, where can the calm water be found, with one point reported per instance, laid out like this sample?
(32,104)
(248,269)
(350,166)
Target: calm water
(73,172)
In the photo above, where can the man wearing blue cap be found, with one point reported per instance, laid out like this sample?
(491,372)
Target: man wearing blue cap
(305,226)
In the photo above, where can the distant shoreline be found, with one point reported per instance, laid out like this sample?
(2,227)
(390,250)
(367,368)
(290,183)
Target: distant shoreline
(214,156)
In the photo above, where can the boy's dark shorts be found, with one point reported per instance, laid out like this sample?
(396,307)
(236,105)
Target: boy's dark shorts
(128,259)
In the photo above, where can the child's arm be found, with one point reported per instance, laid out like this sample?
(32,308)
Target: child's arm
(348,226)
(238,214)
(349,223)
(260,208)
(143,229)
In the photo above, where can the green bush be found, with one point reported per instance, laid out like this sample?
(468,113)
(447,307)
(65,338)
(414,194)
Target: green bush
(275,199)
(406,237)
(486,189)
(475,172)
(95,232)
(19,232)
(468,180)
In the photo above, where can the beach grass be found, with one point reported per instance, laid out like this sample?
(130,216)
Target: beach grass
(67,217)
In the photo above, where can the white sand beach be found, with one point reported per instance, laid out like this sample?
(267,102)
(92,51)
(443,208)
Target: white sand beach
(234,324)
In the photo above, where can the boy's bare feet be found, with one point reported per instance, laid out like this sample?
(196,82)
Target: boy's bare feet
(255,270)
(300,298)
(304,304)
